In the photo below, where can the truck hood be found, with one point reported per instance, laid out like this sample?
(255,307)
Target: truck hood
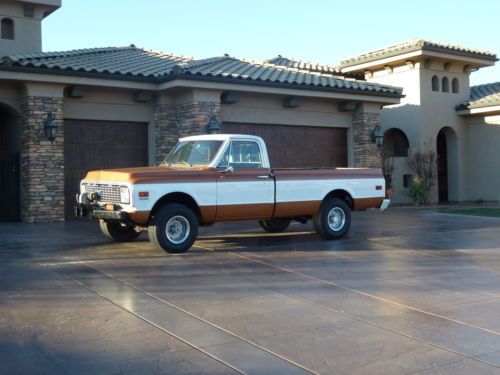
(148,174)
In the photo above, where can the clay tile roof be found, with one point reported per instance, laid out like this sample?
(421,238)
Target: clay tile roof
(416,45)
(152,66)
(302,65)
(232,68)
(131,61)
(483,96)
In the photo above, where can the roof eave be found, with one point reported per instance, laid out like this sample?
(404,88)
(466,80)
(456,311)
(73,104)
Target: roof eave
(481,108)
(412,52)
(172,77)
(240,81)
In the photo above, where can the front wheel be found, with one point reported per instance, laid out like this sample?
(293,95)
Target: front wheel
(174,228)
(333,219)
(117,231)
(274,225)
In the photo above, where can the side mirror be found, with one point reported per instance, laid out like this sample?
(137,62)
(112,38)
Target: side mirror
(227,170)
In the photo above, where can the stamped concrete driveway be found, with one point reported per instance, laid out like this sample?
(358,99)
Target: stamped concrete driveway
(410,291)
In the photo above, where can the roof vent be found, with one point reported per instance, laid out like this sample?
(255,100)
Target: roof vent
(179,68)
(7,61)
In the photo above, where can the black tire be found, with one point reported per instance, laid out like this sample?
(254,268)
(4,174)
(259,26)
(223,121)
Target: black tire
(158,228)
(275,225)
(332,229)
(115,231)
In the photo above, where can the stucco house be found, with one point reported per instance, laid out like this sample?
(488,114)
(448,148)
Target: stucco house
(63,113)
(439,112)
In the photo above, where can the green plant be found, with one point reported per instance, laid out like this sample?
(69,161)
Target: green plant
(425,167)
(418,191)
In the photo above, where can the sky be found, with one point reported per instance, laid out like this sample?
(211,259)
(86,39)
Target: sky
(316,30)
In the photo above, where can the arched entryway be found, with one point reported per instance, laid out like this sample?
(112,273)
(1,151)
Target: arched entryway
(10,143)
(447,165)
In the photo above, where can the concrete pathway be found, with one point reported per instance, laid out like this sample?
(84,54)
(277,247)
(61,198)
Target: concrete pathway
(410,291)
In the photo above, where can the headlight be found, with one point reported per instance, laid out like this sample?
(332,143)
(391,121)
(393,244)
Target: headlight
(124,195)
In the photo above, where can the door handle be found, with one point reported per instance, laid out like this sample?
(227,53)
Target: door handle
(263,177)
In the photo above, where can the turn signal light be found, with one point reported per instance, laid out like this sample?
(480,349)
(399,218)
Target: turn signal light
(144,194)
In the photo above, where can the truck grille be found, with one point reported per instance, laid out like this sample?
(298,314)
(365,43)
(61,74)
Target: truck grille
(108,193)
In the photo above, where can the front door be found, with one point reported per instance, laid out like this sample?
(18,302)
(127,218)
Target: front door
(245,189)
(442,167)
(9,186)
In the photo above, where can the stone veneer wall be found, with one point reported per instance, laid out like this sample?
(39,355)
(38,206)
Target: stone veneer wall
(165,130)
(42,162)
(172,122)
(366,154)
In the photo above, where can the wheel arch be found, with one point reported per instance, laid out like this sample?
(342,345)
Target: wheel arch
(341,194)
(177,197)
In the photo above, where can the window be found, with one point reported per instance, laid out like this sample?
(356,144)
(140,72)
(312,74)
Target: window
(244,154)
(445,84)
(435,83)
(454,86)
(407,179)
(193,153)
(396,143)
(7,28)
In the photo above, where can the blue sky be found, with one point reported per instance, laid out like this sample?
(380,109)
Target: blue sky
(321,31)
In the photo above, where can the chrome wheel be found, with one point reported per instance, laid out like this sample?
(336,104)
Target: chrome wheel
(177,229)
(336,219)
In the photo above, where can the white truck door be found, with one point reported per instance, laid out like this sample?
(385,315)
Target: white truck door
(245,189)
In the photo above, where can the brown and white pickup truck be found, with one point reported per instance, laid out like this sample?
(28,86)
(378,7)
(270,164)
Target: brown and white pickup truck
(211,178)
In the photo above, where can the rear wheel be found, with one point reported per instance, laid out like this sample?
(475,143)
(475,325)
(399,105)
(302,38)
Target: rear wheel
(173,228)
(333,219)
(275,225)
(117,231)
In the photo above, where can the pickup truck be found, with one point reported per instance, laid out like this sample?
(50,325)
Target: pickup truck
(222,177)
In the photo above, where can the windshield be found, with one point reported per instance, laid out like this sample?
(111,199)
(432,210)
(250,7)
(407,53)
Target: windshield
(193,153)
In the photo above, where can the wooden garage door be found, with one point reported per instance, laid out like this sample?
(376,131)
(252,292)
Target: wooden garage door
(298,146)
(92,145)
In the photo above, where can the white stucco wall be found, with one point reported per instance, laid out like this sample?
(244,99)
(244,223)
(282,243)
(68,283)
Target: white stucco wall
(27,30)
(108,104)
(423,113)
(438,111)
(268,109)
(483,158)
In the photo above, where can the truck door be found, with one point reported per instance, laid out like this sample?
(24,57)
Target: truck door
(245,189)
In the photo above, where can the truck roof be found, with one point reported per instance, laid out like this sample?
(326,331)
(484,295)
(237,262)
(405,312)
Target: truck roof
(220,137)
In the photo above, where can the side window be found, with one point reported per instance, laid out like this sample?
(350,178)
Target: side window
(7,28)
(245,154)
(224,160)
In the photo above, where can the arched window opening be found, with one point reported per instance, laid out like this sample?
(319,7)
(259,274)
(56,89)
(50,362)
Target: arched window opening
(435,83)
(396,143)
(454,86)
(7,28)
(445,84)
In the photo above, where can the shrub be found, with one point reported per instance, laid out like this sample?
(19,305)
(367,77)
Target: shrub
(418,192)
(424,165)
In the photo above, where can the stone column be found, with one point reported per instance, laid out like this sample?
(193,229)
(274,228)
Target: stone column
(165,130)
(172,122)
(366,154)
(42,162)
(192,118)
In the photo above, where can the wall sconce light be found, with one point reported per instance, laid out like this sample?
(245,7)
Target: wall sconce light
(50,127)
(377,136)
(213,125)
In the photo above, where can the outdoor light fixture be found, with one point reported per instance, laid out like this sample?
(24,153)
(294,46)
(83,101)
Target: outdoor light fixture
(213,126)
(50,127)
(377,136)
